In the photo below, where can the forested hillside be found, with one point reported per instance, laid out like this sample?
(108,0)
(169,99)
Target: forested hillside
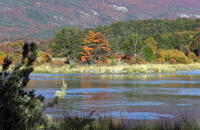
(40,18)
(163,31)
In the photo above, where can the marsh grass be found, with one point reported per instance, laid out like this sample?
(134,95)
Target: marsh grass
(115,69)
(108,123)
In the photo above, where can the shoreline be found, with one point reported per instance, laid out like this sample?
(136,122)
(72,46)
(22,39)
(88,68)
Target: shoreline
(115,69)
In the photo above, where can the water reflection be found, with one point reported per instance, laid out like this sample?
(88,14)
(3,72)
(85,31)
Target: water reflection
(138,115)
(149,96)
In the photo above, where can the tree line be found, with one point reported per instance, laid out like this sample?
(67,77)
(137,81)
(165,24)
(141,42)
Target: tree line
(135,40)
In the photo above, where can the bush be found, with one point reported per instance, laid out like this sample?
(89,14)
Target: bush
(2,53)
(161,54)
(41,53)
(168,57)
(192,57)
(177,55)
(57,62)
(160,60)
(46,58)
(140,60)
(112,60)
(1,59)
(172,61)
(182,59)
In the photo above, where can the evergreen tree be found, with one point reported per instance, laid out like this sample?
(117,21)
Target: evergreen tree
(148,53)
(131,44)
(19,109)
(67,41)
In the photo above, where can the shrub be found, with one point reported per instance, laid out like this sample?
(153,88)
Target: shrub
(140,60)
(182,59)
(41,53)
(1,59)
(72,66)
(172,61)
(57,62)
(161,53)
(179,56)
(192,56)
(46,58)
(16,55)
(2,53)
(167,58)
(132,61)
(112,60)
(160,60)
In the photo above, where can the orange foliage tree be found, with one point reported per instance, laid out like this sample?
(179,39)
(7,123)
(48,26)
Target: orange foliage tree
(95,49)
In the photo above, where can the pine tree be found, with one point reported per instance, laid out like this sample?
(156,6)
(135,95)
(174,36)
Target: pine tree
(19,108)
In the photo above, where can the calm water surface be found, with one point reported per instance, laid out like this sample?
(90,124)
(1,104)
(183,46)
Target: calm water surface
(134,96)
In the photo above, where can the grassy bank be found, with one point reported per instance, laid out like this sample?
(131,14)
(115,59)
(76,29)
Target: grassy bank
(115,69)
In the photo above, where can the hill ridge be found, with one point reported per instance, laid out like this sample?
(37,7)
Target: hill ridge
(40,18)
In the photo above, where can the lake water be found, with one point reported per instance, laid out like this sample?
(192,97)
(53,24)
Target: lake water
(133,96)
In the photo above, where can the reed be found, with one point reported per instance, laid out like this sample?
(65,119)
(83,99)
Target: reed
(109,123)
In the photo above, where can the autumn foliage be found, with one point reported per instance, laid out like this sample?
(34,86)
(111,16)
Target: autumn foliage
(95,49)
(172,56)
(2,59)
(46,58)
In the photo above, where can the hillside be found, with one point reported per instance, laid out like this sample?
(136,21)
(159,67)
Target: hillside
(40,18)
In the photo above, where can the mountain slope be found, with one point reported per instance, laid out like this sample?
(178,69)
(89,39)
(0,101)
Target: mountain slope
(40,18)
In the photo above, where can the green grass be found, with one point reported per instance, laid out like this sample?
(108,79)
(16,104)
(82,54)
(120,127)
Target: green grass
(115,69)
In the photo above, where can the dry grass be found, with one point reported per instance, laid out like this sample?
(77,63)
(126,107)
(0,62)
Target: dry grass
(115,69)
